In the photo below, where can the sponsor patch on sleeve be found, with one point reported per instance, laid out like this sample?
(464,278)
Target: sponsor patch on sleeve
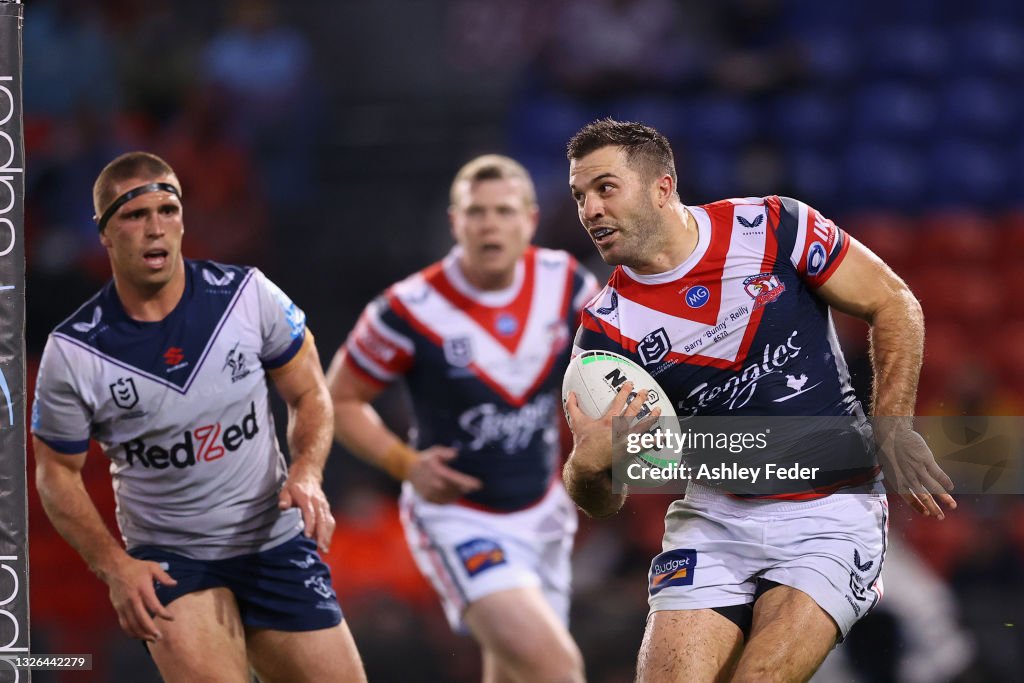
(673,568)
(480,554)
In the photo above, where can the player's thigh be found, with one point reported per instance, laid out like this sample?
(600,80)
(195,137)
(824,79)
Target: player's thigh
(204,642)
(326,655)
(521,631)
(789,638)
(688,646)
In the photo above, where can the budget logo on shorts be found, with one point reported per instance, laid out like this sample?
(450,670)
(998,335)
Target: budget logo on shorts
(458,351)
(763,288)
(674,568)
(480,554)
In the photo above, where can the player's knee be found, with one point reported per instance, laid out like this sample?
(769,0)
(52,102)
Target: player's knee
(760,674)
(556,663)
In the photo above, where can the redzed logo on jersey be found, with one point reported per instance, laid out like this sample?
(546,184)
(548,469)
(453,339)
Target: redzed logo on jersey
(763,288)
(184,453)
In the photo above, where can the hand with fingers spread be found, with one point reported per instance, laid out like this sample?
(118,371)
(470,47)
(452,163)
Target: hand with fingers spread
(303,490)
(587,472)
(133,596)
(911,470)
(436,481)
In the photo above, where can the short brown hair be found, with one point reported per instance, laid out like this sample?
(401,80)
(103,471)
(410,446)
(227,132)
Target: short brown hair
(129,165)
(642,144)
(494,167)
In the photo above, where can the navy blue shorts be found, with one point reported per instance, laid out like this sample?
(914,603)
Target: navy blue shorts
(286,588)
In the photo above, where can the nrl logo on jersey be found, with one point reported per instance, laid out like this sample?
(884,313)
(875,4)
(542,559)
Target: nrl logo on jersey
(458,351)
(124,393)
(763,288)
(654,346)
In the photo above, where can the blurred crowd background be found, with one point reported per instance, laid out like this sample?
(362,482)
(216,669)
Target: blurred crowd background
(317,140)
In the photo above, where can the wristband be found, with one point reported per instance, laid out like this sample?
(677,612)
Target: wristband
(398,461)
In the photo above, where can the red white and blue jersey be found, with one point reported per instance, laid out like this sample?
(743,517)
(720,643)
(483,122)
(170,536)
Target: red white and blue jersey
(181,408)
(736,329)
(483,368)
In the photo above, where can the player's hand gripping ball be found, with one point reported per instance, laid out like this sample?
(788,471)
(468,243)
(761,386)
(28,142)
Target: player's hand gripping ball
(596,377)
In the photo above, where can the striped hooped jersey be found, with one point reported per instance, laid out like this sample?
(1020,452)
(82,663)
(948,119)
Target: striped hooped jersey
(483,368)
(181,409)
(736,329)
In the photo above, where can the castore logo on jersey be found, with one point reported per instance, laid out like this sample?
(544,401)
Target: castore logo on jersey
(97,315)
(218,280)
(751,224)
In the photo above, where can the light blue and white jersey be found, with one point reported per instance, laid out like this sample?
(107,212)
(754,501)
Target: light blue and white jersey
(181,408)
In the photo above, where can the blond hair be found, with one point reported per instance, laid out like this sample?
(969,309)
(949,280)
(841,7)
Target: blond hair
(494,167)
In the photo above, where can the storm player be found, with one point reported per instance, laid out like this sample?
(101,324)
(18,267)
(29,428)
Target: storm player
(167,367)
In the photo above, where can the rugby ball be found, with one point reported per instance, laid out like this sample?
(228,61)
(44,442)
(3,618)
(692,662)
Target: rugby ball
(596,377)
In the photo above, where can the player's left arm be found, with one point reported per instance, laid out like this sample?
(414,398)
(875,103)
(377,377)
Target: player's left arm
(862,285)
(301,384)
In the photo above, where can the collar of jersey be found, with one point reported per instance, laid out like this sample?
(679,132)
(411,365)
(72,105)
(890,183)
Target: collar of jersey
(117,311)
(703,241)
(492,298)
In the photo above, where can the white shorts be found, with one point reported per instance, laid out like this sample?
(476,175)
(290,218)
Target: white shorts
(716,548)
(468,553)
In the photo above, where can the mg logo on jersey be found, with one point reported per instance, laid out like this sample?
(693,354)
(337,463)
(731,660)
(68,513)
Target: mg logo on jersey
(197,445)
(763,288)
(458,351)
(697,296)
(654,346)
(124,394)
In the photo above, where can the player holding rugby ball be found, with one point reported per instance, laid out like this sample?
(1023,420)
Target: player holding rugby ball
(727,306)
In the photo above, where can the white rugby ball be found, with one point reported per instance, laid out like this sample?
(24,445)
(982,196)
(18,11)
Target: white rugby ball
(596,377)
